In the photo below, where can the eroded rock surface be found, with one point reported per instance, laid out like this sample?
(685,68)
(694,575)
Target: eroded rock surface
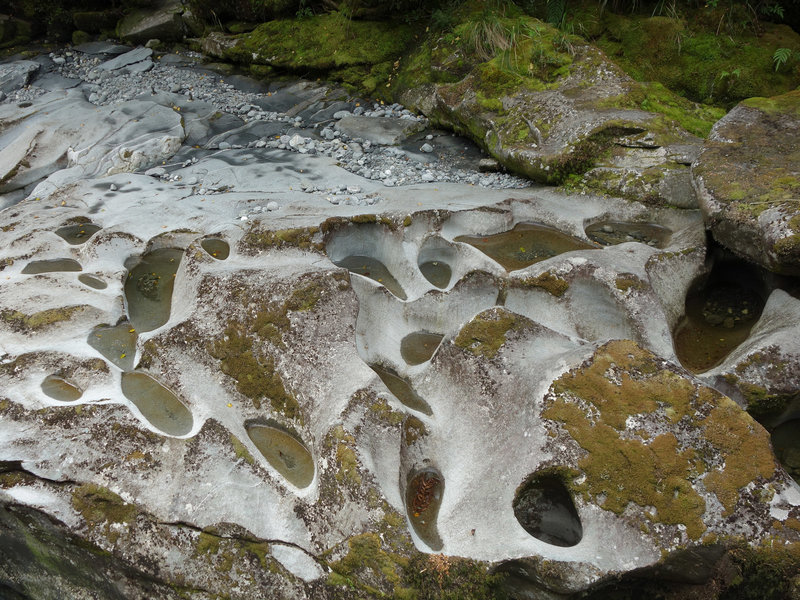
(748,180)
(279,458)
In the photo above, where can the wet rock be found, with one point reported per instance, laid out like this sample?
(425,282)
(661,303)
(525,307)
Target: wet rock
(127,59)
(163,22)
(747,178)
(385,131)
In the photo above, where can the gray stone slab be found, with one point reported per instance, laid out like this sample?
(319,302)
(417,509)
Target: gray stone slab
(387,131)
(123,60)
(17,74)
(54,81)
(103,48)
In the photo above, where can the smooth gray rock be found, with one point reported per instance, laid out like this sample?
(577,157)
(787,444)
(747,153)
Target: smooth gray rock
(16,74)
(129,58)
(386,131)
(163,22)
(54,81)
(103,48)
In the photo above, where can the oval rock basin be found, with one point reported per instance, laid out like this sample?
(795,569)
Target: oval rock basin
(216,247)
(418,347)
(525,244)
(786,442)
(148,288)
(92,281)
(437,272)
(375,270)
(401,389)
(78,233)
(285,453)
(423,498)
(60,389)
(544,508)
(117,344)
(157,404)
(54,265)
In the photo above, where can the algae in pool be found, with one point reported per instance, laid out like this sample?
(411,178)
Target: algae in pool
(525,244)
(157,404)
(437,272)
(424,494)
(54,265)
(284,452)
(216,247)
(786,442)
(117,344)
(544,508)
(148,288)
(78,234)
(92,281)
(720,313)
(609,233)
(401,389)
(375,270)
(60,389)
(418,347)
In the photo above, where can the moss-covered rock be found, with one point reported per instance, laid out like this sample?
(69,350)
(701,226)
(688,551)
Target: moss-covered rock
(748,181)
(552,107)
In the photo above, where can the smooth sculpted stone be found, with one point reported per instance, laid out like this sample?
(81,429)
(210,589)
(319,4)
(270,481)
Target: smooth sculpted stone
(285,452)
(524,245)
(544,508)
(401,389)
(61,389)
(608,233)
(92,281)
(129,58)
(721,309)
(148,288)
(162,409)
(117,344)
(53,265)
(216,247)
(17,74)
(423,497)
(79,233)
(418,347)
(375,270)
(386,131)
(748,181)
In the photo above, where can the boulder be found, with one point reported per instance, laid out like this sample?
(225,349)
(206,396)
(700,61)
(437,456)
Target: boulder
(389,131)
(162,22)
(748,181)
(16,74)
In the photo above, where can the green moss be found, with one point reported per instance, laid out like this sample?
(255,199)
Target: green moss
(552,284)
(486,333)
(655,472)
(98,505)
(241,451)
(625,282)
(413,430)
(366,218)
(258,239)
(346,458)
(381,409)
(39,320)
(785,104)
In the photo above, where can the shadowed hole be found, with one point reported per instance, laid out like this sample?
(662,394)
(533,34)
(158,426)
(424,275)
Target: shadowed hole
(544,508)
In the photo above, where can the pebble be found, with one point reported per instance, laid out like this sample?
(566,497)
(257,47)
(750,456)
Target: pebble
(426,148)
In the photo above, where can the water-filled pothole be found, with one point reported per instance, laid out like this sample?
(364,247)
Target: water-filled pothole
(609,233)
(544,508)
(117,344)
(375,270)
(525,244)
(53,265)
(79,233)
(786,442)
(157,404)
(287,454)
(148,288)
(216,247)
(401,389)
(92,281)
(721,309)
(418,347)
(424,494)
(437,272)
(60,389)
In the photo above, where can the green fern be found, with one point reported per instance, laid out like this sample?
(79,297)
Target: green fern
(781,56)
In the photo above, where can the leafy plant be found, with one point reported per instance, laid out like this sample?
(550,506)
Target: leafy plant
(783,55)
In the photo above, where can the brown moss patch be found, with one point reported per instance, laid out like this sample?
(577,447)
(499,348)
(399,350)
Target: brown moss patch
(257,240)
(550,283)
(20,321)
(594,401)
(628,281)
(486,333)
(98,505)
